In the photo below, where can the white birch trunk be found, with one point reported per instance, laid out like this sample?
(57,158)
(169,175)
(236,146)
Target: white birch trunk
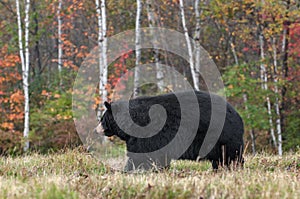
(277,110)
(100,39)
(60,51)
(197,39)
(159,71)
(103,68)
(195,76)
(137,47)
(20,35)
(104,50)
(25,65)
(102,45)
(26,75)
(234,52)
(264,79)
(263,75)
(283,49)
(283,40)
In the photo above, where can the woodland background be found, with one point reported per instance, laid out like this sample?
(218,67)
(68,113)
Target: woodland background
(255,44)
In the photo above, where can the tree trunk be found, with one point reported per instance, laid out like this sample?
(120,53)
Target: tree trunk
(137,47)
(100,39)
(159,71)
(20,36)
(60,51)
(102,45)
(37,44)
(104,50)
(26,75)
(264,79)
(285,66)
(197,40)
(25,66)
(195,76)
(234,51)
(277,111)
(103,68)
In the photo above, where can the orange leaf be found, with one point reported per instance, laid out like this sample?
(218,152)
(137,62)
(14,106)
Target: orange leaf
(45,93)
(17,97)
(7,125)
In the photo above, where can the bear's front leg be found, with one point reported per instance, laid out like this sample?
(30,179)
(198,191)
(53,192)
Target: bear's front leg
(135,163)
(129,165)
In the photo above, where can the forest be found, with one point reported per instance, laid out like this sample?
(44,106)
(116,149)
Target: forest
(61,60)
(255,45)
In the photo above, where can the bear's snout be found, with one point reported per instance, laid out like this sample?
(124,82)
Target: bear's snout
(99,129)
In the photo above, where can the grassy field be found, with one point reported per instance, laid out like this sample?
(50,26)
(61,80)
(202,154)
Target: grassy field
(75,174)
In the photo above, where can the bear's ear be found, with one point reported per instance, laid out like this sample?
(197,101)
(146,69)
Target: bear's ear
(107,105)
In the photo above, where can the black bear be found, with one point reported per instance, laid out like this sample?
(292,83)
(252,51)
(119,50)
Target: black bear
(227,147)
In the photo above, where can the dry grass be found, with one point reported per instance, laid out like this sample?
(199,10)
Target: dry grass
(74,174)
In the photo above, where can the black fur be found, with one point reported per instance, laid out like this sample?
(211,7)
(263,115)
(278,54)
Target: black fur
(231,138)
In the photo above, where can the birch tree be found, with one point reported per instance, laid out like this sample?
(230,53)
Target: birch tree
(25,65)
(104,50)
(197,39)
(285,66)
(100,39)
(195,75)
(60,51)
(137,47)
(151,19)
(264,85)
(276,104)
(102,45)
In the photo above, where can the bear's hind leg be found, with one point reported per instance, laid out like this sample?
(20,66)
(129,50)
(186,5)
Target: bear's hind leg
(215,165)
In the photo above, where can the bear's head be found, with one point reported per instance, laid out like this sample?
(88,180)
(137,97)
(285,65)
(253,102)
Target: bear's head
(108,125)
